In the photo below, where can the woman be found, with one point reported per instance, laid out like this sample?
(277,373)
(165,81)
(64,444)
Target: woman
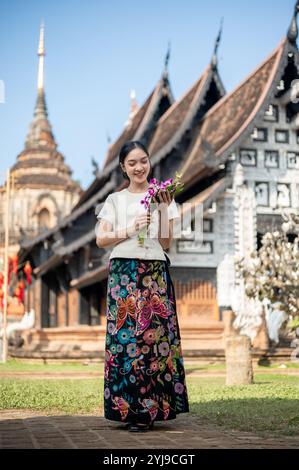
(144,377)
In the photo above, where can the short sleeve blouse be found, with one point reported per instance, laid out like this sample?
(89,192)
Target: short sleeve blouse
(121,208)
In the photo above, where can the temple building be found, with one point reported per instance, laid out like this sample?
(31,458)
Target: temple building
(238,155)
(42,190)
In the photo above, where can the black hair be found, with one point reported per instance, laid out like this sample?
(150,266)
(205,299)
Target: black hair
(126,149)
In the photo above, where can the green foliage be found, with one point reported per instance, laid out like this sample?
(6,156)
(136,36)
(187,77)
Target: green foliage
(273,272)
(294,324)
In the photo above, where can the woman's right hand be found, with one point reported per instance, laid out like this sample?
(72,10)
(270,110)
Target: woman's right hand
(140,221)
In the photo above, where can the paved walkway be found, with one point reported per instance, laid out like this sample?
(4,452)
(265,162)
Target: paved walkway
(33,430)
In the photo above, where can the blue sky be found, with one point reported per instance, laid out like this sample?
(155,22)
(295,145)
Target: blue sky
(97,50)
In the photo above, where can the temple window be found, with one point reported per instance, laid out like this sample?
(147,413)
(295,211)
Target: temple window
(271,159)
(44,219)
(282,137)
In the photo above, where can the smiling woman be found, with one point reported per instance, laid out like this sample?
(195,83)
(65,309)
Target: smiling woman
(144,377)
(135,165)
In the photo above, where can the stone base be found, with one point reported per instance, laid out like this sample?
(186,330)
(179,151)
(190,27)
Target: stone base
(89,341)
(204,343)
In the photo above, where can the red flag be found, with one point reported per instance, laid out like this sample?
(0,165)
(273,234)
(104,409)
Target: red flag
(14,261)
(19,293)
(10,269)
(1,298)
(22,288)
(28,271)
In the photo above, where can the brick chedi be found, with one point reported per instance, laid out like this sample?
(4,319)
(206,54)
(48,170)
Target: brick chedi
(43,189)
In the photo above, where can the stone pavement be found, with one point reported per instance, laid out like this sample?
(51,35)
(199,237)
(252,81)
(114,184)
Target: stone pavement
(25,429)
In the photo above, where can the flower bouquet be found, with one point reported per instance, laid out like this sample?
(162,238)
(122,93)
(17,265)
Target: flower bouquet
(172,185)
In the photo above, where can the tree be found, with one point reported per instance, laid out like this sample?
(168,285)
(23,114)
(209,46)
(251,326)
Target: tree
(272,272)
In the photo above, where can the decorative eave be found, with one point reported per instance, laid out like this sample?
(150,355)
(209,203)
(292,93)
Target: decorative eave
(90,277)
(51,263)
(178,119)
(61,252)
(74,246)
(234,117)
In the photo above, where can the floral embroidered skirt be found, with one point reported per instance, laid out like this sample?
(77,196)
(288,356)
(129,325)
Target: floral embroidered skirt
(144,378)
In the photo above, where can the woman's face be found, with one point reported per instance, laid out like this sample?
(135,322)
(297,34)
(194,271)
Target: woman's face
(137,166)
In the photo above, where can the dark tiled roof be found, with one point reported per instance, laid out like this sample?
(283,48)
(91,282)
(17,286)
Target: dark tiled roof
(90,277)
(144,118)
(141,122)
(174,117)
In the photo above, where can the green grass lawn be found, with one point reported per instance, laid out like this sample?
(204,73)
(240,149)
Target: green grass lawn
(270,406)
(14,365)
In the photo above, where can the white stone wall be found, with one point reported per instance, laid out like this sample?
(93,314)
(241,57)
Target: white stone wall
(225,240)
(221,237)
(273,176)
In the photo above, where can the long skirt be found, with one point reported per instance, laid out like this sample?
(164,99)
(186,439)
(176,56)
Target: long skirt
(144,379)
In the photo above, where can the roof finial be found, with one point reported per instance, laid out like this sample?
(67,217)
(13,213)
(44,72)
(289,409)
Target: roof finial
(166,60)
(293,29)
(134,104)
(217,42)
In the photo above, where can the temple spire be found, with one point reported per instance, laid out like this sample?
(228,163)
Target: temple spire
(41,54)
(166,60)
(40,107)
(214,60)
(293,29)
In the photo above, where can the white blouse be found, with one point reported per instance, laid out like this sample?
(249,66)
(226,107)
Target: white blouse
(121,208)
